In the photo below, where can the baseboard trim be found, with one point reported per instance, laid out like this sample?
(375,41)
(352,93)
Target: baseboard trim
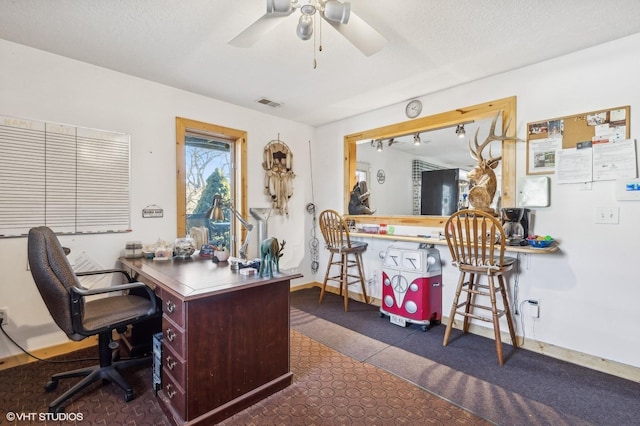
(48,352)
(582,359)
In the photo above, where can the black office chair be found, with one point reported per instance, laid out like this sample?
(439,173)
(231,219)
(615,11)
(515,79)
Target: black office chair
(80,317)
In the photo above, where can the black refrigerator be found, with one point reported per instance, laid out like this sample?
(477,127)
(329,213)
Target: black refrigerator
(440,192)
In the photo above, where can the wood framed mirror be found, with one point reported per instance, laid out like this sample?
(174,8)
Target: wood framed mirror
(506,108)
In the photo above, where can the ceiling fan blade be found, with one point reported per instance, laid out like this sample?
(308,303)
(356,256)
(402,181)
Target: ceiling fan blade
(362,35)
(259,28)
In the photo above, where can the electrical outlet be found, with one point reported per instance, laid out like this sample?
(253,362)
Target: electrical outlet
(534,308)
(4,315)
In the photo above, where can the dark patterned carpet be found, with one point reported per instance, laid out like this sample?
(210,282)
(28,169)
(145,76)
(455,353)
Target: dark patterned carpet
(329,388)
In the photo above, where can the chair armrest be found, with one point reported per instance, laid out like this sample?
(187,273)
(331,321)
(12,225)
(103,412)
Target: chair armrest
(106,271)
(84,292)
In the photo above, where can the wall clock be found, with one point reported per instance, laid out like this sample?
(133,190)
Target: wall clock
(414,108)
(380,175)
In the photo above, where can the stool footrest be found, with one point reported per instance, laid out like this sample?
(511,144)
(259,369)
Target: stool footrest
(475,316)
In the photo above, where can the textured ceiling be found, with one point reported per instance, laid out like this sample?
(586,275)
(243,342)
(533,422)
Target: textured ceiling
(432,45)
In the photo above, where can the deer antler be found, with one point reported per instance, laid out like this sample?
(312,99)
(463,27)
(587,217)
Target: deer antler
(477,153)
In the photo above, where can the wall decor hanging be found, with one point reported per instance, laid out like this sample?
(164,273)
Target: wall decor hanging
(278,166)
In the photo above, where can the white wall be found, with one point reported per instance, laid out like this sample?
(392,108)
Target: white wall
(42,86)
(589,290)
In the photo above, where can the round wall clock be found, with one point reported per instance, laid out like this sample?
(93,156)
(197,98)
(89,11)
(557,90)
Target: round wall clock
(380,175)
(414,108)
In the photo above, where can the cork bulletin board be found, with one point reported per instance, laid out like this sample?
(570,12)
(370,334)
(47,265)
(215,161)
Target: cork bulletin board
(572,131)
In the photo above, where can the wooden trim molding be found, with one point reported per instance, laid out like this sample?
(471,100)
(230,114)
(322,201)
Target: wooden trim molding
(239,137)
(506,107)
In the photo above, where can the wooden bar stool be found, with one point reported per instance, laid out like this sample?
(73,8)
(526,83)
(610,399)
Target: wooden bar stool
(476,241)
(348,255)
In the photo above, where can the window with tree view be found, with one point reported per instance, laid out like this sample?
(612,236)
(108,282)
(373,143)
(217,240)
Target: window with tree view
(209,171)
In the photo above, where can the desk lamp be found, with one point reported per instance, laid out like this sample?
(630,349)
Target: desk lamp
(215,213)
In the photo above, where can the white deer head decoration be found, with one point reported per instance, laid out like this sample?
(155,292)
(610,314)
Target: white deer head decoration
(482,177)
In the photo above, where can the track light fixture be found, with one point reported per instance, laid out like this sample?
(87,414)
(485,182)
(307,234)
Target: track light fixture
(416,139)
(379,149)
(460,131)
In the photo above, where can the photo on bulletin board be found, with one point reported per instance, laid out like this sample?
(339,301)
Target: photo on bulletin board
(546,137)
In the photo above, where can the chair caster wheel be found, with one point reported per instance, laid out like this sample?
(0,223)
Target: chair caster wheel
(128,396)
(51,385)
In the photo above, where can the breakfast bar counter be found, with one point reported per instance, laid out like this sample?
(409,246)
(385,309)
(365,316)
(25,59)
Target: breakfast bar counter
(442,242)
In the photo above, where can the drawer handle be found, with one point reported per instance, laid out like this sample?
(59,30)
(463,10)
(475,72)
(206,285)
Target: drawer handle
(170,393)
(171,336)
(171,363)
(171,307)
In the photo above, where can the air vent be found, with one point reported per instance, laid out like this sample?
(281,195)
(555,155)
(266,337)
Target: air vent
(268,102)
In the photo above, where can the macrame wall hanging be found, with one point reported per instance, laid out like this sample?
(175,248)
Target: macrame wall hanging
(278,166)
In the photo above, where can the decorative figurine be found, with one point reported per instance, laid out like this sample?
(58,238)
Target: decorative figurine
(270,253)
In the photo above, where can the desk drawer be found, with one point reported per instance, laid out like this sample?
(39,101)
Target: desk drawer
(172,307)
(173,337)
(175,365)
(173,393)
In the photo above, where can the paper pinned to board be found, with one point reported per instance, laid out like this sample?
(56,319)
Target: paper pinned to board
(614,160)
(574,165)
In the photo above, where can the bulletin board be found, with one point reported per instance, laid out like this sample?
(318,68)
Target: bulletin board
(573,131)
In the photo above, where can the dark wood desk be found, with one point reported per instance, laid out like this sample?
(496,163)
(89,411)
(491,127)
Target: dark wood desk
(225,336)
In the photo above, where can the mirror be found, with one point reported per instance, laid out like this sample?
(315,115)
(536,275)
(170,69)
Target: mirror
(437,134)
(403,159)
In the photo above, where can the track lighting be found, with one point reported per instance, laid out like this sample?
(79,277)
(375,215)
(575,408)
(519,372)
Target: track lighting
(460,131)
(392,141)
(379,149)
(416,139)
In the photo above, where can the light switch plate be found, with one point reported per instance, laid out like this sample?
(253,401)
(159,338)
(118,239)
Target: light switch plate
(607,214)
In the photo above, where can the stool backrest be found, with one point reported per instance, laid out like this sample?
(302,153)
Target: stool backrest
(476,240)
(334,230)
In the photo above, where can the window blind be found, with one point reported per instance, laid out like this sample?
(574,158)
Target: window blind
(71,179)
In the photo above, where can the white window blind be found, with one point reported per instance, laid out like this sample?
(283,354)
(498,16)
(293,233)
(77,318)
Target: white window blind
(71,179)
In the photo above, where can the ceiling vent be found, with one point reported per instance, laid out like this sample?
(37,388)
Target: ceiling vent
(268,102)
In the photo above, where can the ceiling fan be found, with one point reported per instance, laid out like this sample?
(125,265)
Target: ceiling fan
(339,15)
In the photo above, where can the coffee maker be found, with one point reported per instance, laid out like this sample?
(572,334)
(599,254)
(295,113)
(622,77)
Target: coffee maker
(515,222)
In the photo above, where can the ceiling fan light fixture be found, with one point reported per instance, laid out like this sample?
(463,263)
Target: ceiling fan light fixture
(304,30)
(308,9)
(279,6)
(337,12)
